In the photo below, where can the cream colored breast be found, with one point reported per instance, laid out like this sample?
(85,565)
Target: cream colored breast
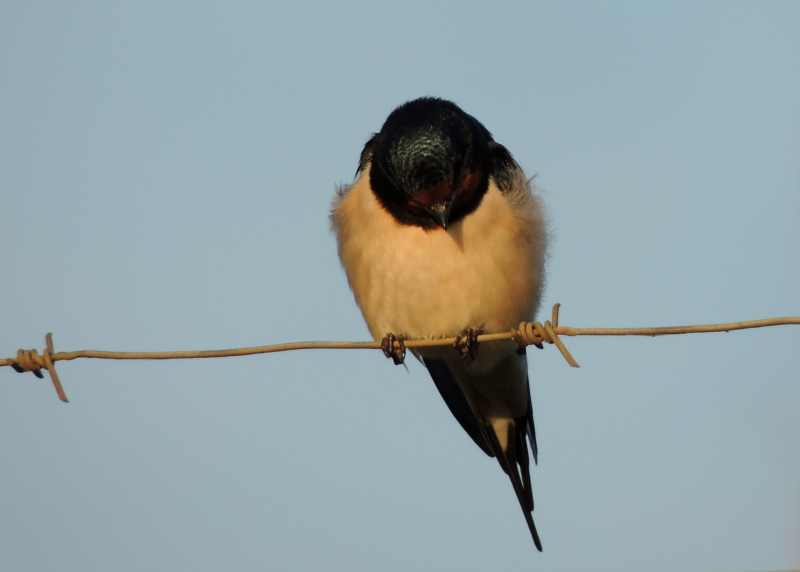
(484,271)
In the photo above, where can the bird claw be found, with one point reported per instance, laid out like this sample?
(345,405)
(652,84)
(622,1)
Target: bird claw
(394,347)
(467,343)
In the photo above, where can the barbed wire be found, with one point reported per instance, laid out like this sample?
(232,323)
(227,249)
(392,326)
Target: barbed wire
(526,334)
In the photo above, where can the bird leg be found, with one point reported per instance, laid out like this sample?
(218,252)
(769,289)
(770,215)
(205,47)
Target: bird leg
(467,343)
(394,347)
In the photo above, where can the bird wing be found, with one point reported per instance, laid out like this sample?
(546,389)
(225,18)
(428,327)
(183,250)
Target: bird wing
(497,415)
(456,402)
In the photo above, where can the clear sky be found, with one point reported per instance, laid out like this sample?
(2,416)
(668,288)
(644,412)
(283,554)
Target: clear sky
(166,171)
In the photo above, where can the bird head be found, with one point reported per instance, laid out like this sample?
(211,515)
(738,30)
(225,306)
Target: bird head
(430,163)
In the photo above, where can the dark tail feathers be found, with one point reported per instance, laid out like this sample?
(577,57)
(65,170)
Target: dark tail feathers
(515,463)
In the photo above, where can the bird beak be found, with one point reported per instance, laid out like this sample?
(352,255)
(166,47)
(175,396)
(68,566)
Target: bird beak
(440,213)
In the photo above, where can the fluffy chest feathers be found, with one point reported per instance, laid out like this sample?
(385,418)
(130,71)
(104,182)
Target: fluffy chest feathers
(484,271)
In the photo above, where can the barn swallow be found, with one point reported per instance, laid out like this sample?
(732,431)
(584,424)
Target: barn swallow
(442,235)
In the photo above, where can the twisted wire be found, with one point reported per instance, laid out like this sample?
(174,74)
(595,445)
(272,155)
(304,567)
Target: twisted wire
(527,333)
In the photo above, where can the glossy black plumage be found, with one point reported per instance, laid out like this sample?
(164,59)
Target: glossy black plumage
(431,156)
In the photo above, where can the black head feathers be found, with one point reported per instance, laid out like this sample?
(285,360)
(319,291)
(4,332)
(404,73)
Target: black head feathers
(431,162)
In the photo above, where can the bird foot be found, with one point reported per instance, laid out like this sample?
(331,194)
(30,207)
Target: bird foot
(394,347)
(467,343)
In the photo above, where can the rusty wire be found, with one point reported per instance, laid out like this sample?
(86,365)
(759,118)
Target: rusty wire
(527,333)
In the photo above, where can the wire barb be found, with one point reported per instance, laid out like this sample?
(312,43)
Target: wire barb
(536,334)
(30,360)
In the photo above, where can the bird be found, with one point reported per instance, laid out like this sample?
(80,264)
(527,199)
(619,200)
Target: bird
(441,234)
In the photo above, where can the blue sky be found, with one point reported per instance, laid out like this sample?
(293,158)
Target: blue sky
(167,171)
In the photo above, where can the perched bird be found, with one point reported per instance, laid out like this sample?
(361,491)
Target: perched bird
(440,235)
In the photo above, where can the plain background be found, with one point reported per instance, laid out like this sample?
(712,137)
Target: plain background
(166,174)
